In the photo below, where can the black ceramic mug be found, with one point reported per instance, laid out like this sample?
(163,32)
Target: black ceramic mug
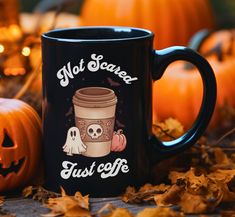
(97,109)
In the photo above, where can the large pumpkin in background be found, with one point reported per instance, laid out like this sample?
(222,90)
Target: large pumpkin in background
(20,143)
(172,21)
(205,40)
(178,93)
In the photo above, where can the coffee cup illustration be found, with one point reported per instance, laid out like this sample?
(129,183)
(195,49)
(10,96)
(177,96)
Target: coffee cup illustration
(94,109)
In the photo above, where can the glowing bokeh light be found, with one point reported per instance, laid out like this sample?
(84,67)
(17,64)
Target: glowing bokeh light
(26,51)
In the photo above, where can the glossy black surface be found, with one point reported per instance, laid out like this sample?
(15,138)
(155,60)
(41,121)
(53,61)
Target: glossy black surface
(132,50)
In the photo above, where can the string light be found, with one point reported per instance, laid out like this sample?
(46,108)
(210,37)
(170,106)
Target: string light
(26,51)
(1,48)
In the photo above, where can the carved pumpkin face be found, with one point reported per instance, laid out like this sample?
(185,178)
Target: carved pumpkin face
(20,143)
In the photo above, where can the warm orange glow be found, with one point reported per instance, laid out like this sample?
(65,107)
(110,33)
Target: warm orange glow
(1,48)
(15,31)
(26,51)
(14,71)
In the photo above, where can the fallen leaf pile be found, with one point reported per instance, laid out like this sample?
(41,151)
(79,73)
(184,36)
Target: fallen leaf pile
(68,206)
(195,191)
(110,211)
(199,185)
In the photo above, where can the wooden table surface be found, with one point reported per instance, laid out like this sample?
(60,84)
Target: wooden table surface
(22,207)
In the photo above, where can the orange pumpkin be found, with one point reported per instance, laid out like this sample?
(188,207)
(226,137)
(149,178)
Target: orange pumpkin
(20,143)
(178,93)
(118,141)
(173,21)
(208,39)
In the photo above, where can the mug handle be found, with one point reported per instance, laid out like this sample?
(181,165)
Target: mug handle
(162,58)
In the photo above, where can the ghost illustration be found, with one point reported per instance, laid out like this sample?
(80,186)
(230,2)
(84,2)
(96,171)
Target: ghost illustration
(74,144)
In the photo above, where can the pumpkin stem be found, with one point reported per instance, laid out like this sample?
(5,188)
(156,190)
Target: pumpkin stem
(198,39)
(196,42)
(120,131)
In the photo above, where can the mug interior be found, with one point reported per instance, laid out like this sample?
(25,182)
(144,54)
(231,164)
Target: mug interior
(97,34)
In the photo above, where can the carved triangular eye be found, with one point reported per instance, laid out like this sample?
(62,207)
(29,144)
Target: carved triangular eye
(7,142)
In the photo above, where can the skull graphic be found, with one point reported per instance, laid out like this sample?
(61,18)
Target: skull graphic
(94,131)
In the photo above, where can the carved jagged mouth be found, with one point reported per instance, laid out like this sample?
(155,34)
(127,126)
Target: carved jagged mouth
(13,168)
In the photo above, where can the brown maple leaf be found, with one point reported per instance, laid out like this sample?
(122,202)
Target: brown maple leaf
(159,212)
(109,210)
(171,197)
(70,206)
(222,161)
(145,193)
(228,213)
(118,212)
(38,193)
(168,130)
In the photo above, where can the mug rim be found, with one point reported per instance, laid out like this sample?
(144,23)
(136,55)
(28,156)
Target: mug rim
(146,34)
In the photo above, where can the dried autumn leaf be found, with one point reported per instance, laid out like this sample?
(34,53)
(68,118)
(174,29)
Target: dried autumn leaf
(70,206)
(145,193)
(193,204)
(202,202)
(27,191)
(228,213)
(159,212)
(174,176)
(154,188)
(118,212)
(168,130)
(225,176)
(222,160)
(228,195)
(83,202)
(195,181)
(221,157)
(1,200)
(129,195)
(38,193)
(170,197)
(106,209)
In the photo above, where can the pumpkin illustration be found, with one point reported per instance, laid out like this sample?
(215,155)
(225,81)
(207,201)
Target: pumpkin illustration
(20,143)
(178,93)
(118,141)
(173,22)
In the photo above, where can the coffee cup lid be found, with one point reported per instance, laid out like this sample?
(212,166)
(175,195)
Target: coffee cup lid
(94,97)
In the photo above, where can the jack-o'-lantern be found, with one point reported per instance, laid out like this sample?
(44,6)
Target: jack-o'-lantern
(20,143)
